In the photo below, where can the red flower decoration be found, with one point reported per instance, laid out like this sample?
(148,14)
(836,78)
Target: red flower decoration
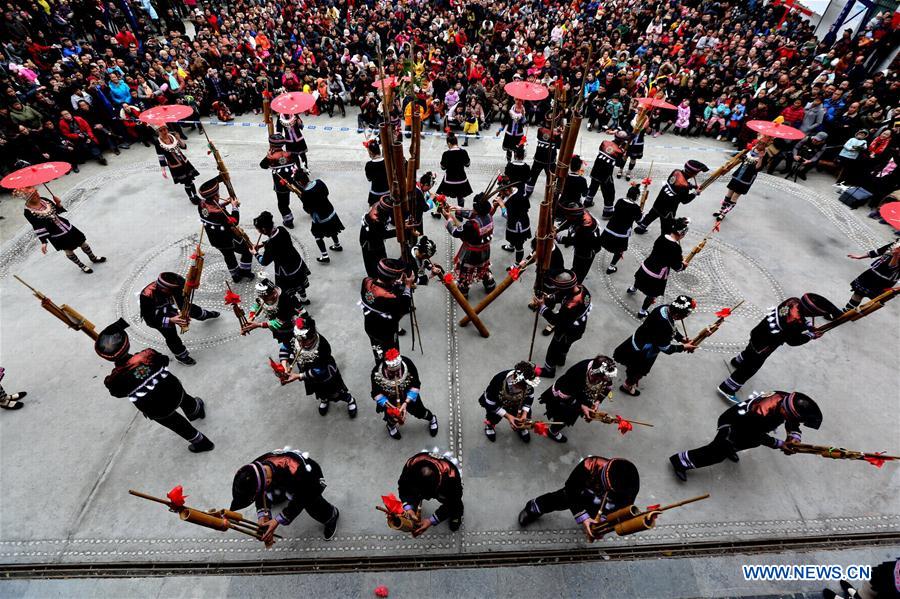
(876,461)
(523,141)
(394,505)
(723,313)
(653,507)
(440,199)
(300,323)
(624,425)
(514,273)
(232,220)
(176,496)
(192,284)
(232,298)
(646,181)
(541,429)
(193,256)
(381,591)
(448,278)
(392,354)
(538,370)
(393,412)
(277,368)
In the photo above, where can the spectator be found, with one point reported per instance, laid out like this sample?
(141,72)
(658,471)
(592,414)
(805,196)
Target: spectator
(80,134)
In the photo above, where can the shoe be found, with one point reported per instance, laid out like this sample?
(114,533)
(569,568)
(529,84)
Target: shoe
(433,426)
(102,161)
(507,248)
(802,176)
(619,175)
(828,594)
(490,432)
(628,177)
(86,269)
(547,330)
(401,331)
(324,259)
(204,444)
(734,457)
(422,280)
(680,471)
(734,362)
(237,278)
(558,437)
(331,525)
(631,291)
(524,434)
(642,313)
(633,392)
(336,247)
(75,168)
(640,230)
(728,395)
(588,202)
(454,523)
(117,152)
(547,372)
(849,589)
(12,402)
(435,215)
(210,314)
(288,223)
(201,413)
(323,407)
(304,301)
(394,432)
(489,285)
(98,259)
(125,145)
(526,517)
(187,360)
(611,269)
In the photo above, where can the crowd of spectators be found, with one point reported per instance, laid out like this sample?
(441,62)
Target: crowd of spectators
(77,72)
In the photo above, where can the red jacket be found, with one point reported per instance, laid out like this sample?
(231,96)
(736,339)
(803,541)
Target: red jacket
(67,130)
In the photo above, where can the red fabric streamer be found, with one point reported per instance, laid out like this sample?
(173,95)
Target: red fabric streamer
(232,220)
(718,225)
(177,496)
(624,425)
(193,256)
(277,368)
(232,298)
(394,505)
(646,181)
(514,273)
(723,313)
(448,278)
(192,284)
(393,412)
(653,507)
(875,461)
(541,429)
(523,141)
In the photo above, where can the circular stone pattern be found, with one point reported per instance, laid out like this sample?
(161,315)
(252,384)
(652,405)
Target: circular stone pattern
(176,257)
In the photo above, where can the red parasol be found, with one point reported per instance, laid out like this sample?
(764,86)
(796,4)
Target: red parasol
(35,174)
(778,130)
(389,81)
(166,113)
(889,212)
(650,103)
(526,90)
(293,103)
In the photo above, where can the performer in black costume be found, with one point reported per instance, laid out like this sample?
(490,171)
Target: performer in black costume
(576,393)
(473,260)
(639,351)
(44,217)
(516,204)
(678,190)
(569,321)
(276,311)
(581,230)
(377,226)
(597,486)
(169,153)
(881,275)
(747,425)
(544,155)
(791,322)
(161,303)
(454,163)
(633,152)
(396,390)
(652,275)
(432,476)
(614,238)
(516,121)
(576,185)
(609,155)
(376,173)
(291,272)
(283,165)
(290,126)
(385,299)
(283,475)
(144,378)
(742,179)
(310,352)
(219,217)
(325,219)
(509,395)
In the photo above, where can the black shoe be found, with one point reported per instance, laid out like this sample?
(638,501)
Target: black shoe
(547,330)
(802,176)
(75,168)
(849,589)
(547,372)
(336,247)
(98,259)
(247,274)
(507,248)
(204,444)
(201,413)
(187,360)
(454,523)
(401,331)
(526,517)
(611,269)
(323,407)
(489,285)
(237,278)
(422,280)
(524,434)
(102,161)
(117,152)
(557,437)
(490,432)
(828,594)
(304,301)
(125,145)
(634,392)
(433,426)
(331,525)
(734,457)
(680,471)
(289,224)
(352,408)
(394,433)
(588,202)
(210,314)
(323,259)
(640,230)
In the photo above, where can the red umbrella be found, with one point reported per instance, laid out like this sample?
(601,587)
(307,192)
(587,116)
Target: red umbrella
(774,129)
(526,90)
(891,213)
(389,81)
(293,103)
(166,113)
(35,174)
(650,103)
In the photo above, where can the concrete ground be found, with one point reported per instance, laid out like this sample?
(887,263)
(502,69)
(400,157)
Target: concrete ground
(68,459)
